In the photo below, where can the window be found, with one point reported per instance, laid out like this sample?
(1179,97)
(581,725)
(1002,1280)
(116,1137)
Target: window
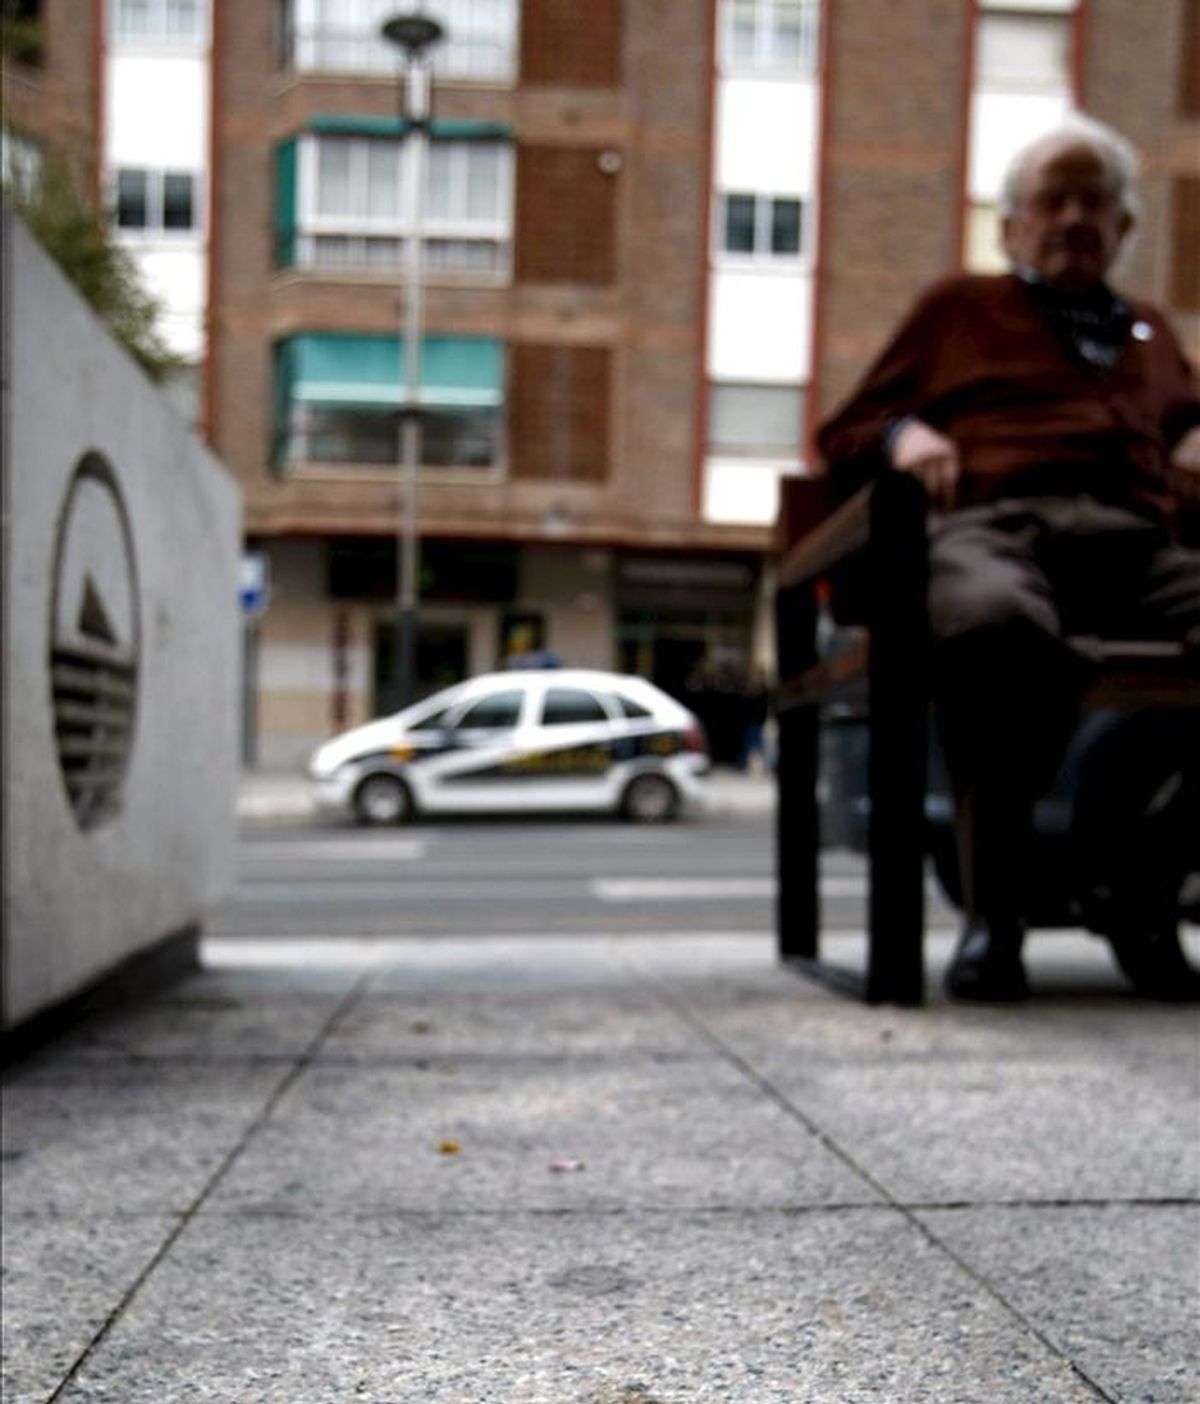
(338,395)
(495,713)
(155,200)
(20,161)
(770,35)
(567,705)
(746,421)
(762,226)
(629,708)
(1023,52)
(160,21)
(344,36)
(435,721)
(352,205)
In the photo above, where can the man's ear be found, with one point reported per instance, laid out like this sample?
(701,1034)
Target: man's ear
(1006,234)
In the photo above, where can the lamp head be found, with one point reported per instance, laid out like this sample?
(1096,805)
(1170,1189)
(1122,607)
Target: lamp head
(413,33)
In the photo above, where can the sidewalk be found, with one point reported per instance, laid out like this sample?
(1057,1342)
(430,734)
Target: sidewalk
(275,795)
(603,1171)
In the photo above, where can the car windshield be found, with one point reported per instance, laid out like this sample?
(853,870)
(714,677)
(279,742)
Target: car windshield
(431,721)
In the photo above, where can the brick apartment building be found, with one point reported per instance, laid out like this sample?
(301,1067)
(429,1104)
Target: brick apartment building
(662,237)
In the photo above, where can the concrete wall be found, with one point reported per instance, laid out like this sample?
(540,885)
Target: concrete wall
(121,651)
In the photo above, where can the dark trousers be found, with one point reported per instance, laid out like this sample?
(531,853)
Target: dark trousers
(1010,583)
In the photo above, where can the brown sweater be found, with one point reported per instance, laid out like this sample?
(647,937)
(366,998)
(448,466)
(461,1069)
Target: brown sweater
(978,360)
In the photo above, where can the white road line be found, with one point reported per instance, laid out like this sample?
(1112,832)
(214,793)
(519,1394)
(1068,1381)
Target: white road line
(653,889)
(679,889)
(374,850)
(370,952)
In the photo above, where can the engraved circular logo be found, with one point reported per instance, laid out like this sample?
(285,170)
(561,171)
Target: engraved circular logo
(94,642)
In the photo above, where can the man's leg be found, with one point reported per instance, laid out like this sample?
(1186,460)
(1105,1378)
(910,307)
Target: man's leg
(1006,699)
(1139,803)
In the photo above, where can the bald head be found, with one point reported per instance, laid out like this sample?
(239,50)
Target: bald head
(1068,205)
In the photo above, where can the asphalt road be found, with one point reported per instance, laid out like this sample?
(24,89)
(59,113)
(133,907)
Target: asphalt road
(499,877)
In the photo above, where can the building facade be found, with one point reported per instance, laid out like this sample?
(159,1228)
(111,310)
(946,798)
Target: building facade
(660,240)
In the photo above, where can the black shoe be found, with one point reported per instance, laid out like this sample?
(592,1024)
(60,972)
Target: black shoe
(1154,963)
(987,965)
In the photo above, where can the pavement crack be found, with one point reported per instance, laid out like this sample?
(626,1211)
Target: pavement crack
(910,1213)
(185,1217)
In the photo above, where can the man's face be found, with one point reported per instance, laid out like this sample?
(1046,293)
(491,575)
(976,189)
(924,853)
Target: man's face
(1068,224)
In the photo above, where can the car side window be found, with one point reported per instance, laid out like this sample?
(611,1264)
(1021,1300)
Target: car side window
(630,708)
(498,712)
(564,705)
(432,722)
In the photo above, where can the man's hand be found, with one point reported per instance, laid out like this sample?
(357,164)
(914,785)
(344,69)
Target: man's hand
(1186,453)
(920,450)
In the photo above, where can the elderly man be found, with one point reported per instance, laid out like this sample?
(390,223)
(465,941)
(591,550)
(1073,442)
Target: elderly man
(1043,413)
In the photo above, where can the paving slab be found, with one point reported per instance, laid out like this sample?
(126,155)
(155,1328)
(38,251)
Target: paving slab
(594,1309)
(216,1014)
(126,1137)
(1086,1098)
(269,1147)
(485,1133)
(63,1276)
(1115,1287)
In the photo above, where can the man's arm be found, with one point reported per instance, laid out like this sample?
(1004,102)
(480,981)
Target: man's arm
(918,448)
(880,423)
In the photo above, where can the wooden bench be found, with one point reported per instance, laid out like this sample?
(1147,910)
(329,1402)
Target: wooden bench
(870,551)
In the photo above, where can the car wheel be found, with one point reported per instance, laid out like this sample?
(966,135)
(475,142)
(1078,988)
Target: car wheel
(649,799)
(382,799)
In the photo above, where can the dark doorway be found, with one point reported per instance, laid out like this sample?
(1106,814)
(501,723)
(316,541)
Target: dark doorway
(441,660)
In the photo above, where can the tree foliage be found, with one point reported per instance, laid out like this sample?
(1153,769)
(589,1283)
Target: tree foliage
(80,239)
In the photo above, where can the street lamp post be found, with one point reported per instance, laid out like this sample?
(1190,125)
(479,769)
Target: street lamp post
(414,35)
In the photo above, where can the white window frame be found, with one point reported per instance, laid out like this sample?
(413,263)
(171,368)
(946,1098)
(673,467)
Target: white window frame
(1018,79)
(158,32)
(762,254)
(471,50)
(791,452)
(767,57)
(155,186)
(497,231)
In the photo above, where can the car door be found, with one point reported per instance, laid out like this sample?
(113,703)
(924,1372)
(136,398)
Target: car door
(569,763)
(472,772)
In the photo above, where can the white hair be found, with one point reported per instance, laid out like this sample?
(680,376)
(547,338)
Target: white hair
(1116,154)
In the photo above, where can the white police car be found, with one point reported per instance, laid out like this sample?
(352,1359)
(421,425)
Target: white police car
(534,741)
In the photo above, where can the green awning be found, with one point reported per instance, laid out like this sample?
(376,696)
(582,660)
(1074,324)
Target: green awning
(440,129)
(348,370)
